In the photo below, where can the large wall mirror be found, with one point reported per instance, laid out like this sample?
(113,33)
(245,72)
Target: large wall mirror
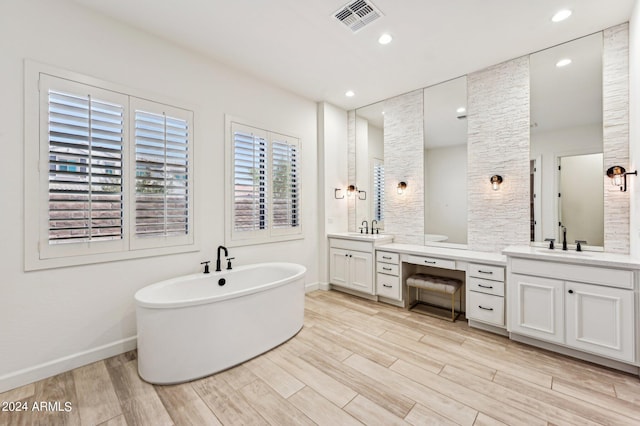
(369,205)
(445,163)
(566,142)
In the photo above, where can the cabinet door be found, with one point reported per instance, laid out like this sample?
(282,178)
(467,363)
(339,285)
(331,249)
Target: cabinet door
(361,271)
(600,320)
(338,267)
(537,307)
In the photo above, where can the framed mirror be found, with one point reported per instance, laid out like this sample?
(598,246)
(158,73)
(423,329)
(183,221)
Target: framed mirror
(445,163)
(566,163)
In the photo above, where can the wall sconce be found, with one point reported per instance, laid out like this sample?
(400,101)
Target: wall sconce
(401,187)
(618,176)
(351,189)
(495,180)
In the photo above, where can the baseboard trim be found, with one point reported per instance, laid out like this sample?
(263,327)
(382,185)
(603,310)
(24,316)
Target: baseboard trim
(316,286)
(60,365)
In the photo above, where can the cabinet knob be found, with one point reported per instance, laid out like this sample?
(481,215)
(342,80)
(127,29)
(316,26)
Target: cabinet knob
(570,291)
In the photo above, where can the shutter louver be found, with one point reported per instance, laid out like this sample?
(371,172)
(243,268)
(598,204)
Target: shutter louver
(85,169)
(162,175)
(378,191)
(250,182)
(285,185)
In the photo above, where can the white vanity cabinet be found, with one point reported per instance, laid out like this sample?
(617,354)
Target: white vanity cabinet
(576,305)
(388,282)
(485,294)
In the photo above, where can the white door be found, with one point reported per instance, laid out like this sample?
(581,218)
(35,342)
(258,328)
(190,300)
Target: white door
(537,307)
(600,320)
(338,267)
(361,271)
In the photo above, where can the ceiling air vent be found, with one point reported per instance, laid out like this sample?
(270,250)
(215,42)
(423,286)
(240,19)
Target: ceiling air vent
(356,15)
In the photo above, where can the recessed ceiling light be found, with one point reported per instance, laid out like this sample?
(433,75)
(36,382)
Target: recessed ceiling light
(349,93)
(561,15)
(461,110)
(385,39)
(563,62)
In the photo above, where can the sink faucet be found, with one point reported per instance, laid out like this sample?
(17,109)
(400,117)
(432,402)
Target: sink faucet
(373,228)
(226,254)
(564,238)
(366,227)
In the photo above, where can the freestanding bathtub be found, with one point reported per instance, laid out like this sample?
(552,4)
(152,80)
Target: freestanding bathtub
(192,326)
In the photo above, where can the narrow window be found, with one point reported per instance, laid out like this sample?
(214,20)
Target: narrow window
(285,183)
(378,190)
(249,181)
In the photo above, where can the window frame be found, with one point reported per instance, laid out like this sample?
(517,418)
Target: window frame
(38,253)
(235,238)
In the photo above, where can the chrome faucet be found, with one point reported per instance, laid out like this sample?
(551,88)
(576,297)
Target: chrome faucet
(226,254)
(373,228)
(564,238)
(366,227)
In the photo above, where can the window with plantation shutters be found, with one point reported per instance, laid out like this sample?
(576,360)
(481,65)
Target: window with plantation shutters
(263,186)
(161,175)
(378,190)
(107,174)
(85,193)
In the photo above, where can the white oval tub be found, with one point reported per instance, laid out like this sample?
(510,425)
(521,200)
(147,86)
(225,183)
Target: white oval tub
(191,327)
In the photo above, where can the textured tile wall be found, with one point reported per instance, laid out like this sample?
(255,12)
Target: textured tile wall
(498,131)
(615,104)
(404,132)
(351,173)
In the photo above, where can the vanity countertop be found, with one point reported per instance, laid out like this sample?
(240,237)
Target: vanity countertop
(377,238)
(591,258)
(447,253)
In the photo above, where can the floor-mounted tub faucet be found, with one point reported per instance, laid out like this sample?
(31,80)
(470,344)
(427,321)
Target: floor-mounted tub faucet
(226,254)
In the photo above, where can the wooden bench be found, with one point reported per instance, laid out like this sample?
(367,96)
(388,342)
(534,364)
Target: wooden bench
(435,284)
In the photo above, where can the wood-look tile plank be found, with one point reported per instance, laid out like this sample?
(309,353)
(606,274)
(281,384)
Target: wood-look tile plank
(567,404)
(443,405)
(596,398)
(228,404)
(374,325)
(139,401)
(484,420)
(274,408)
(322,344)
(426,325)
(422,416)
(358,347)
(476,400)
(185,406)
(97,399)
(275,376)
(514,398)
(322,383)
(370,413)
(353,303)
(18,394)
(321,410)
(116,421)
(238,376)
(629,392)
(372,389)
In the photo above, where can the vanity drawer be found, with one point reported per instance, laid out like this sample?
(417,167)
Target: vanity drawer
(350,244)
(385,256)
(387,268)
(388,286)
(486,308)
(432,261)
(487,272)
(486,286)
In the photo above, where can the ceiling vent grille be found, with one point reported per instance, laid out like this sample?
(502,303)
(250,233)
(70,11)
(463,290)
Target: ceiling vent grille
(358,14)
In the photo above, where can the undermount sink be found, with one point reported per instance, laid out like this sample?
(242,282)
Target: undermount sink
(560,252)
(371,236)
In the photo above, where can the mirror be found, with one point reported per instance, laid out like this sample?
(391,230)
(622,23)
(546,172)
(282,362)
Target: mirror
(370,164)
(445,163)
(566,142)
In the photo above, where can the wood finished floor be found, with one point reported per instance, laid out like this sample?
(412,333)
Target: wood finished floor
(354,362)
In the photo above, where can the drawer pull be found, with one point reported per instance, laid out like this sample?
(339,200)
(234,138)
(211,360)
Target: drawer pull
(480,271)
(431,262)
(387,286)
(386,257)
(486,309)
(485,286)
(386,269)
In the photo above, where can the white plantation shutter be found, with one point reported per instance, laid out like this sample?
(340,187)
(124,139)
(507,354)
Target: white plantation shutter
(162,162)
(85,132)
(250,208)
(378,190)
(284,175)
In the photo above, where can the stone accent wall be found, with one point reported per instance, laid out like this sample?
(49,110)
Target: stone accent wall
(404,131)
(615,104)
(498,129)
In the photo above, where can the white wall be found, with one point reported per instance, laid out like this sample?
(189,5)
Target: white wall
(51,314)
(634,126)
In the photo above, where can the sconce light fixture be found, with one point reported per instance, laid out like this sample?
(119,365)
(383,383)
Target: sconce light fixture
(401,187)
(495,180)
(618,176)
(351,189)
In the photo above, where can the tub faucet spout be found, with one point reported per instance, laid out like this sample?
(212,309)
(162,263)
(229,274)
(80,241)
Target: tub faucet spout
(226,254)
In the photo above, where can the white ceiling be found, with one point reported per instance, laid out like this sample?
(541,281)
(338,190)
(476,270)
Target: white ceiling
(300,46)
